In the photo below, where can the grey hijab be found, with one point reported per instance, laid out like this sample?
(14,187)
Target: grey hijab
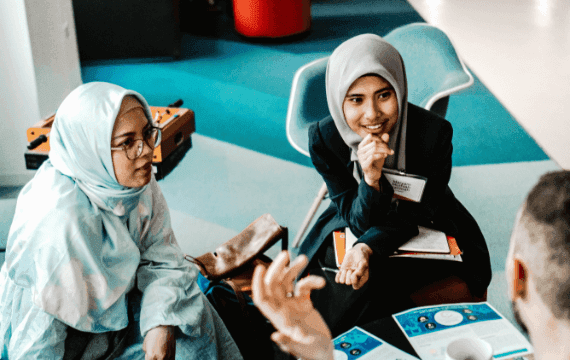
(358,56)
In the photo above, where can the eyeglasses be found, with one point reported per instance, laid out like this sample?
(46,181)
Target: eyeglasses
(134,148)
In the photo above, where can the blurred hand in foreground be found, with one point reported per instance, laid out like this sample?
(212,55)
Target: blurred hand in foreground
(301,330)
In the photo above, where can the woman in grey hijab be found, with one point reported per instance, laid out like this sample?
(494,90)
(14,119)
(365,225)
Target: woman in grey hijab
(372,132)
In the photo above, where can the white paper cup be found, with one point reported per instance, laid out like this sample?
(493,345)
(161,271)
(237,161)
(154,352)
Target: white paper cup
(469,349)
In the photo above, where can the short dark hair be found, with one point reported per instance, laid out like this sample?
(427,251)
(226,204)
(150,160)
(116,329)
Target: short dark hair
(546,218)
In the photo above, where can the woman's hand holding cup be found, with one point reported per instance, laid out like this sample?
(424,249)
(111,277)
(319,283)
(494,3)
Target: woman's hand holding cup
(372,152)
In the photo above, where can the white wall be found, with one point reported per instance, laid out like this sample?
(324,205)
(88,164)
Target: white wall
(54,51)
(39,66)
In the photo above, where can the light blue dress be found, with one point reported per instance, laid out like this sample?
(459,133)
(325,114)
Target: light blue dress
(86,253)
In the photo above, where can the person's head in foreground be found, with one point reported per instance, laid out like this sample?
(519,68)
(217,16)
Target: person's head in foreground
(538,273)
(538,266)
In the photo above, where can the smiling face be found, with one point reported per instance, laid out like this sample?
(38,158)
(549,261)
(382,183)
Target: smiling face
(130,125)
(370,106)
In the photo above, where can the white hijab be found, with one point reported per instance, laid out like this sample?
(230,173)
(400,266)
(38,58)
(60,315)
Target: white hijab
(80,141)
(358,56)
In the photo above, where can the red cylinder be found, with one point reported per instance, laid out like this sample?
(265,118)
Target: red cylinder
(272,18)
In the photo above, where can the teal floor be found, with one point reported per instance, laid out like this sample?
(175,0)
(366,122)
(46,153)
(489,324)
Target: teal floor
(241,165)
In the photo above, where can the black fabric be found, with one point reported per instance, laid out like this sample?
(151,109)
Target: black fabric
(89,346)
(80,345)
(248,327)
(388,330)
(341,306)
(387,291)
(377,221)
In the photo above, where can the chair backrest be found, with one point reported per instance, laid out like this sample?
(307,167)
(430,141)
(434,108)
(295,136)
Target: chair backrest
(433,69)
(307,103)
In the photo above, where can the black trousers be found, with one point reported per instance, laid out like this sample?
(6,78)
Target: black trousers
(386,292)
(248,327)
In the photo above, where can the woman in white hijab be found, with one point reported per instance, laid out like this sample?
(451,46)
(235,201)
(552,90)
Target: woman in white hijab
(373,130)
(93,270)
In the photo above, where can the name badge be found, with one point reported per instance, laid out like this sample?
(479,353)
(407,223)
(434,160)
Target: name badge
(406,186)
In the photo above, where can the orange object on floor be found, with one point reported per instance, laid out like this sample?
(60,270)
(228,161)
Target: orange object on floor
(272,18)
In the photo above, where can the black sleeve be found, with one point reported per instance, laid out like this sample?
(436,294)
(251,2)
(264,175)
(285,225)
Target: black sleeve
(358,204)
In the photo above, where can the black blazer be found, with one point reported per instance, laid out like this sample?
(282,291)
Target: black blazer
(370,214)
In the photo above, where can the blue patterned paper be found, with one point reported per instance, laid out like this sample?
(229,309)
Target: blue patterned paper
(421,321)
(355,343)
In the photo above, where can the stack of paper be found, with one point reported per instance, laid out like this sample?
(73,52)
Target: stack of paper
(430,244)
